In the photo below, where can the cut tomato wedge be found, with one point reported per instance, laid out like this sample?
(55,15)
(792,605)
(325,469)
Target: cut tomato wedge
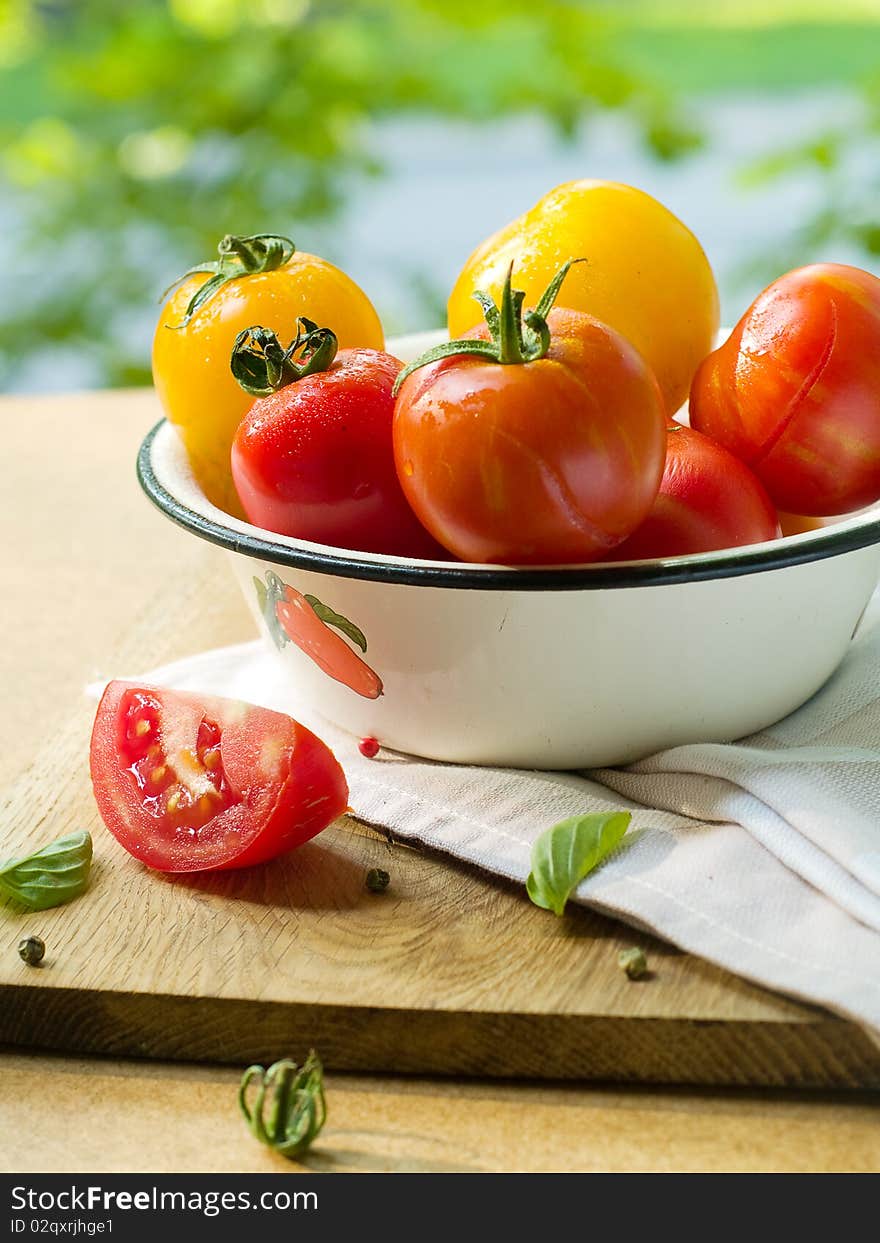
(191,783)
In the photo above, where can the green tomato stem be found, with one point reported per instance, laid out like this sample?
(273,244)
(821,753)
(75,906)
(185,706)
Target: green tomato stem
(239,257)
(510,340)
(263,252)
(261,364)
(517,337)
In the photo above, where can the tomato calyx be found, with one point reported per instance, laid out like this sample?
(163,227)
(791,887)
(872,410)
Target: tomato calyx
(239,256)
(516,337)
(262,365)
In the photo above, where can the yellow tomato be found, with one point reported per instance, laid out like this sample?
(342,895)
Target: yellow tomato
(645,274)
(191,357)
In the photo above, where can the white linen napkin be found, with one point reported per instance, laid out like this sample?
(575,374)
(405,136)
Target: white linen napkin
(762,856)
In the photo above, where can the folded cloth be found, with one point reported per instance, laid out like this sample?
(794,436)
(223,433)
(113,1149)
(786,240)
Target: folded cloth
(762,856)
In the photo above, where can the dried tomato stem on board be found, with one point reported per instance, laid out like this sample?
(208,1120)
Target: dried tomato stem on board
(288,1109)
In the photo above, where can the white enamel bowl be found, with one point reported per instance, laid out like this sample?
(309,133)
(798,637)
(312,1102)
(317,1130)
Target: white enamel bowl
(563,667)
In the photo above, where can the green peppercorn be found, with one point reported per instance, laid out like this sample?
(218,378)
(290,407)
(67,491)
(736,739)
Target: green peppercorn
(377,880)
(32,950)
(633,962)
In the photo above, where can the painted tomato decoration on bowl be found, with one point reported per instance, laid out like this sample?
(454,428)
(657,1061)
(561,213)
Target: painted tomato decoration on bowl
(193,783)
(708,500)
(795,390)
(313,456)
(262,279)
(536,439)
(317,630)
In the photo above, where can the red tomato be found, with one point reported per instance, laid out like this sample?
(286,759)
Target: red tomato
(795,390)
(314,460)
(326,648)
(551,458)
(708,499)
(191,783)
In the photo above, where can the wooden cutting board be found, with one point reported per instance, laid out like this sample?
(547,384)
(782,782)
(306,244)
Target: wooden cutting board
(447,972)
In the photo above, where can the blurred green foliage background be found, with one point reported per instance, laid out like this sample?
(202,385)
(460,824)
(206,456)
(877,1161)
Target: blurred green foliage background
(135,134)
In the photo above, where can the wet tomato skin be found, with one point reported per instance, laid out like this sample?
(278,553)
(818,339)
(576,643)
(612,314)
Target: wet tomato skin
(708,500)
(315,460)
(552,461)
(190,783)
(795,390)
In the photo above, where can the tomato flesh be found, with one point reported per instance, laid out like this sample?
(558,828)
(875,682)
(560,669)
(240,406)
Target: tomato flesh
(187,802)
(194,783)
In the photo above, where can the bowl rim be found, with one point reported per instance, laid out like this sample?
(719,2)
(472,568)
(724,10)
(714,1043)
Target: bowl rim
(859,531)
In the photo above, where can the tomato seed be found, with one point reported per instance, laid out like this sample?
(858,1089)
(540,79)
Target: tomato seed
(156,774)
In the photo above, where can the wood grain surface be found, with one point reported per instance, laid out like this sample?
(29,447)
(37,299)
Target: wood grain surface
(449,971)
(66,1115)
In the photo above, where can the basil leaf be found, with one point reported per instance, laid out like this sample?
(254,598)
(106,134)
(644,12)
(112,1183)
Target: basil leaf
(329,618)
(51,876)
(564,855)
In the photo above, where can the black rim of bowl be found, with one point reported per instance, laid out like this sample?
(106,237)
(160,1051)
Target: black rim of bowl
(774,555)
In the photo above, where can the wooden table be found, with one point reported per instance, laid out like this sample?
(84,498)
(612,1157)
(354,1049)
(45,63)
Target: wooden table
(81,561)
